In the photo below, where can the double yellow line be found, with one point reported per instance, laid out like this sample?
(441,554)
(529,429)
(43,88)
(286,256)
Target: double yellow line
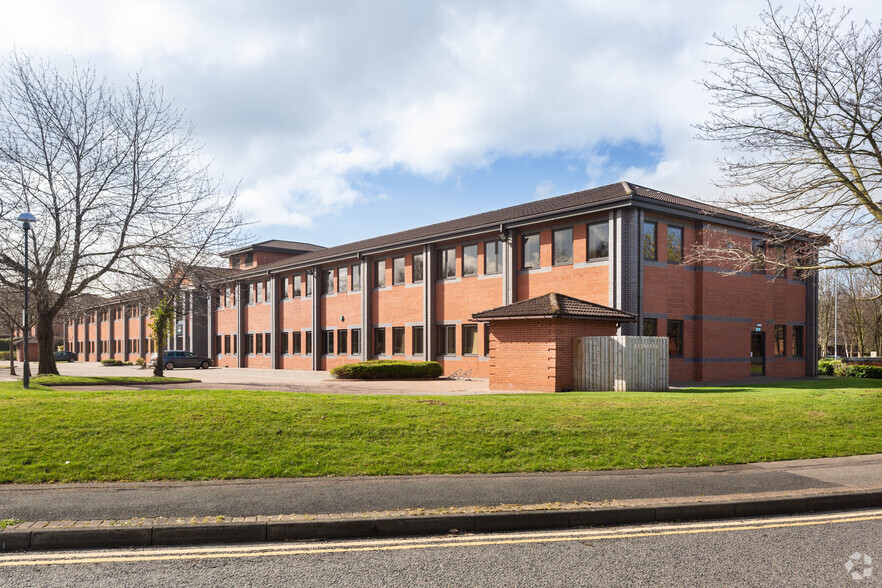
(289,549)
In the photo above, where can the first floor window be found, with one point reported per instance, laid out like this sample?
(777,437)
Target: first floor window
(342,279)
(398,271)
(779,340)
(283,343)
(342,341)
(295,343)
(356,341)
(356,278)
(650,241)
(562,252)
(447,264)
(285,287)
(418,267)
(675,338)
(297,286)
(675,244)
(447,339)
(798,342)
(530,252)
(398,340)
(492,261)
(470,339)
(470,260)
(380,277)
(379,341)
(328,342)
(416,343)
(650,327)
(328,282)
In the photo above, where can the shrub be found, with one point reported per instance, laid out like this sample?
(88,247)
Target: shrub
(111,362)
(141,362)
(388,370)
(825,366)
(865,371)
(4,356)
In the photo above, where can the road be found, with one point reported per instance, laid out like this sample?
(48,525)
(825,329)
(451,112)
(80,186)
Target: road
(785,551)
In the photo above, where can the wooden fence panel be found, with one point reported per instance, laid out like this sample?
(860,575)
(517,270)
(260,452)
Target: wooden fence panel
(620,363)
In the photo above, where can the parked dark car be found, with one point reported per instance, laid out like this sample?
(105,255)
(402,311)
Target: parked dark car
(180,359)
(68,356)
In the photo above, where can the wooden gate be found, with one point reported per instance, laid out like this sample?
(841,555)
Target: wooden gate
(620,363)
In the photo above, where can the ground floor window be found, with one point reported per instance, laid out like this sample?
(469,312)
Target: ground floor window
(218,341)
(486,338)
(328,342)
(356,340)
(283,343)
(308,343)
(416,343)
(379,341)
(779,340)
(650,327)
(398,340)
(675,338)
(295,344)
(342,341)
(258,340)
(470,339)
(798,349)
(447,339)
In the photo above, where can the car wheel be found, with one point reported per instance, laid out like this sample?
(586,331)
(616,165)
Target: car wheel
(70,360)
(205,365)
(170,366)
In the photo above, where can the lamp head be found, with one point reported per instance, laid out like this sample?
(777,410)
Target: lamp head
(26,218)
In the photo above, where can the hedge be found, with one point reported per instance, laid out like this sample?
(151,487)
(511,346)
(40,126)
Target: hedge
(832,367)
(115,362)
(388,370)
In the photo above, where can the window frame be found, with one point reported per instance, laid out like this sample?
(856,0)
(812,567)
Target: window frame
(654,226)
(757,267)
(780,341)
(446,336)
(496,247)
(327,282)
(356,277)
(298,285)
(471,329)
(590,252)
(328,342)
(401,333)
(444,256)
(380,273)
(296,343)
(674,229)
(525,239)
(355,342)
(473,247)
(396,262)
(798,340)
(416,337)
(379,341)
(422,265)
(554,253)
(673,339)
(654,323)
(342,342)
(342,279)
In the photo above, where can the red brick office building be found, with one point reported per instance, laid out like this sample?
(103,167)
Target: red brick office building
(412,295)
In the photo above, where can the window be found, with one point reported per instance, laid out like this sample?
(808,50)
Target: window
(308,342)
(327,282)
(650,241)
(249,344)
(470,339)
(380,277)
(447,264)
(267,343)
(447,339)
(266,291)
(246,293)
(397,271)
(779,340)
(675,244)
(309,279)
(342,279)
(356,341)
(779,255)
(258,292)
(419,263)
(758,249)
(470,260)
(227,297)
(675,338)
(258,340)
(598,241)
(297,286)
(342,341)
(234,262)
(486,338)
(797,341)
(284,288)
(398,340)
(328,342)
(416,342)
(563,247)
(650,327)
(492,263)
(356,278)
(283,343)
(530,251)
(295,343)
(379,341)
(249,258)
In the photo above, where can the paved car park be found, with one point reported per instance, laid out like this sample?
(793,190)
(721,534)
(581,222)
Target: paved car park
(282,380)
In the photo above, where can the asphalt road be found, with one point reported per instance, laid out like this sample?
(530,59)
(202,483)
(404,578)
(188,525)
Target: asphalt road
(808,550)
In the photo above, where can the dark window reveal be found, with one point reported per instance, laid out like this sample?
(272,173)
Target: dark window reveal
(675,338)
(598,241)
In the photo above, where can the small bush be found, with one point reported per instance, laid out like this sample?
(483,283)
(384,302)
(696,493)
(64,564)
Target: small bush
(825,366)
(388,370)
(111,362)
(4,356)
(128,363)
(141,362)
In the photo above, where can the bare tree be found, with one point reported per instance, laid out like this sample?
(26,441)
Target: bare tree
(799,100)
(116,180)
(11,315)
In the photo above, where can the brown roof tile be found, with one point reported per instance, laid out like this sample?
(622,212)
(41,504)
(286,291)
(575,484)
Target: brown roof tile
(554,305)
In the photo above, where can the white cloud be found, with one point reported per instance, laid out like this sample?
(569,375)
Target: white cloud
(544,190)
(301,100)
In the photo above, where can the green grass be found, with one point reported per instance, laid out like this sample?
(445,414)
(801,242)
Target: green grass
(50,435)
(53,380)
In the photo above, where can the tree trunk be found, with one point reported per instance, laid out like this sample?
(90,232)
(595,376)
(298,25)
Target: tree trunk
(159,367)
(46,342)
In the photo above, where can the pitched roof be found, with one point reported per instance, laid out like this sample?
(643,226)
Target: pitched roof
(278,245)
(554,305)
(574,202)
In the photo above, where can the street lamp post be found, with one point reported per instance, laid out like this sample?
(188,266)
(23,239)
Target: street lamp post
(26,218)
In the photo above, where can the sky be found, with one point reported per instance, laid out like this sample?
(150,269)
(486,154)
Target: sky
(345,120)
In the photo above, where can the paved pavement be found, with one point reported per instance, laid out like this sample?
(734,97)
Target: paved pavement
(253,510)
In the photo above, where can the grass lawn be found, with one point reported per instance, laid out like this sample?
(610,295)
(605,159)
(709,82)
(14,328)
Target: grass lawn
(52,380)
(62,435)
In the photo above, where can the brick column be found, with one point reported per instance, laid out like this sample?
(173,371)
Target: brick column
(125,343)
(429,277)
(627,267)
(241,327)
(810,346)
(209,326)
(316,318)
(366,298)
(274,297)
(143,349)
